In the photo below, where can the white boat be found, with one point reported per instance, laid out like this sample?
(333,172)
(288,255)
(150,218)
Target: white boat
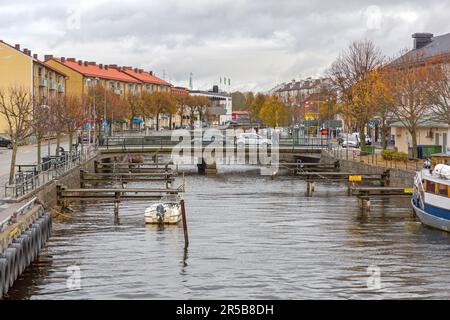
(166,211)
(431,197)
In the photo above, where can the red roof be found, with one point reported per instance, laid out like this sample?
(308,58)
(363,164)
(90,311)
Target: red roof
(91,69)
(179,90)
(145,77)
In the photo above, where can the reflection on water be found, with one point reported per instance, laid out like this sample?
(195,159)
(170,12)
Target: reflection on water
(250,237)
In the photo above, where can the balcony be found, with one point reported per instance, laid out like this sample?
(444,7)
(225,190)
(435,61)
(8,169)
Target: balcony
(43,82)
(53,85)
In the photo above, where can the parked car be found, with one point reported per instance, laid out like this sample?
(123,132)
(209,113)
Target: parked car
(350,143)
(350,140)
(368,140)
(245,139)
(5,142)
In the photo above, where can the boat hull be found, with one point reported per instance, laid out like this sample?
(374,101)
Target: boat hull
(431,220)
(171,216)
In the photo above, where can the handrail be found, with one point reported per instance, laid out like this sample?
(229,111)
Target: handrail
(28,181)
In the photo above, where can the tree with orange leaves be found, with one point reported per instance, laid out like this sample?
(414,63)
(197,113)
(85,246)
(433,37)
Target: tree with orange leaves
(408,81)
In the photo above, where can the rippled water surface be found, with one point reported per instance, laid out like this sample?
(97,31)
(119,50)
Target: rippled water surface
(250,237)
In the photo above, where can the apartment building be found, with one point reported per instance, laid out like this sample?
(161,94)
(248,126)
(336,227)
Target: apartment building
(150,82)
(22,69)
(83,74)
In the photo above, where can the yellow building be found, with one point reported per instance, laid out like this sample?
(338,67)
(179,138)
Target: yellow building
(83,74)
(20,69)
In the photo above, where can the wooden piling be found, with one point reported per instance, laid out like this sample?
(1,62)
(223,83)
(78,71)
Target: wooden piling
(185,230)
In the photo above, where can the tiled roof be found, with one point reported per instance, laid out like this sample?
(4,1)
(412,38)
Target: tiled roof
(145,76)
(179,90)
(91,69)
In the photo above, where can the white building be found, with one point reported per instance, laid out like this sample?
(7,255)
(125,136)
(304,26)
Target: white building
(222,104)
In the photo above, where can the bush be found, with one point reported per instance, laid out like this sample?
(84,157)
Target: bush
(388,154)
(394,155)
(400,156)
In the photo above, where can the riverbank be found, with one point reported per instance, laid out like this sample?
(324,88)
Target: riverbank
(398,177)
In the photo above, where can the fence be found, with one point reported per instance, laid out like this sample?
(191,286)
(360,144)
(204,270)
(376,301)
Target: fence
(166,141)
(35,176)
(376,159)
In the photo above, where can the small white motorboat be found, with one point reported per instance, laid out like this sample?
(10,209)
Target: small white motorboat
(167,211)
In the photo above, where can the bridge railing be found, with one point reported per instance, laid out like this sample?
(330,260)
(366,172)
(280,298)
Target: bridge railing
(142,142)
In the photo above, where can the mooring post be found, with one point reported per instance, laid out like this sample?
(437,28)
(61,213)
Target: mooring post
(183,214)
(58,194)
(82,178)
(116,206)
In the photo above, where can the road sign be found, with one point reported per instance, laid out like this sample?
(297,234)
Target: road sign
(355,178)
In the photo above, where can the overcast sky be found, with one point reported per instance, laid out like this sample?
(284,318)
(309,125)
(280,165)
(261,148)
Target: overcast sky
(256,43)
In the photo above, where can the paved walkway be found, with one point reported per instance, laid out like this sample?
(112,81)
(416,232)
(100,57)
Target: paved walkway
(25,155)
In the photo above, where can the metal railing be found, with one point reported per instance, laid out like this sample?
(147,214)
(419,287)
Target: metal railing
(21,211)
(141,142)
(38,175)
(375,159)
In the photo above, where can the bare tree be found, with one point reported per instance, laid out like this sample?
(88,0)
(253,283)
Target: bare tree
(353,66)
(439,91)
(16,108)
(409,81)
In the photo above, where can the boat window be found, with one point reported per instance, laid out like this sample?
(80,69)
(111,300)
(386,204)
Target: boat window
(431,186)
(443,190)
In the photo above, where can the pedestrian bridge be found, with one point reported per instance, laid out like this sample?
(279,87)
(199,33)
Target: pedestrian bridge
(167,144)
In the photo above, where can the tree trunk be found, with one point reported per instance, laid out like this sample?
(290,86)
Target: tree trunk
(170,122)
(39,145)
(70,142)
(58,142)
(362,138)
(157,122)
(13,163)
(414,143)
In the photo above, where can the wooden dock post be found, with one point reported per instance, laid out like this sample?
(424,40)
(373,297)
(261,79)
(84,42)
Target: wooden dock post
(185,230)
(116,207)
(364,204)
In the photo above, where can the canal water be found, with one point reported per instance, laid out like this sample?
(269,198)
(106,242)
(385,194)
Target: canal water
(250,237)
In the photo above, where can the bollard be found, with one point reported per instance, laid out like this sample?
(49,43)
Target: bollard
(183,214)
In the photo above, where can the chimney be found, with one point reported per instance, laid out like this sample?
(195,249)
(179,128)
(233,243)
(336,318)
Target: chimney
(48,57)
(101,65)
(106,67)
(86,63)
(27,52)
(422,39)
(136,70)
(17,46)
(151,72)
(35,56)
(141,70)
(80,62)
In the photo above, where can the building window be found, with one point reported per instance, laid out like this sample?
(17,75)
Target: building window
(430,186)
(443,190)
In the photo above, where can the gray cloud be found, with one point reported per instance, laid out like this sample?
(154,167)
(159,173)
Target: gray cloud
(255,43)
